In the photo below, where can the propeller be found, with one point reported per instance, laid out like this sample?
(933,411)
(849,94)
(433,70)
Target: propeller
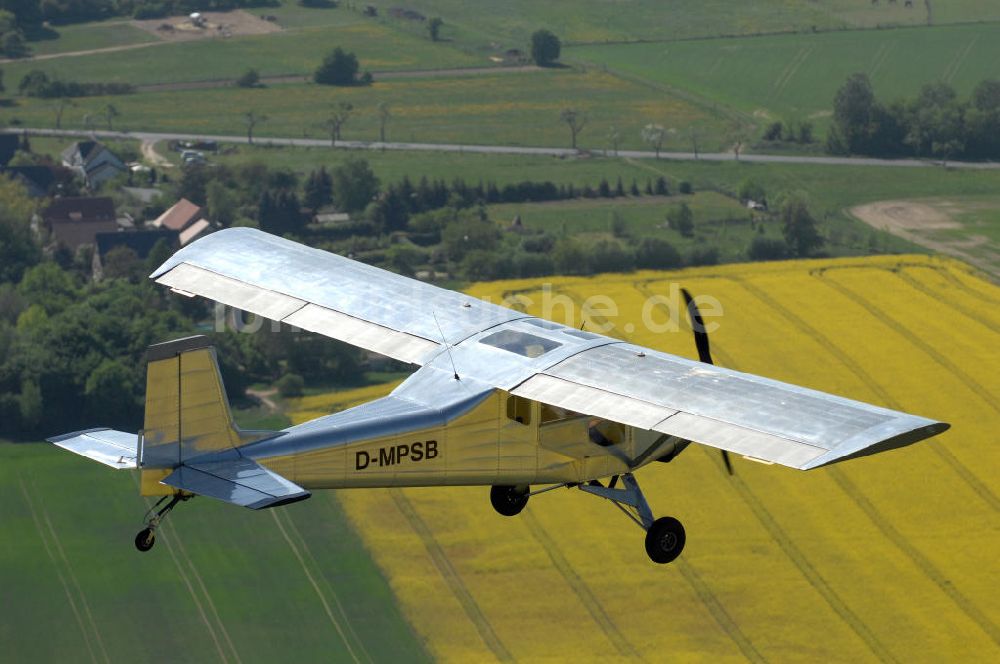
(704,353)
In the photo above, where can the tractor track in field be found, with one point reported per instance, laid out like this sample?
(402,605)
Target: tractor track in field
(319,593)
(970,479)
(329,585)
(961,308)
(166,536)
(701,589)
(580,587)
(900,329)
(86,632)
(787,544)
(789,73)
(882,523)
(451,576)
(179,541)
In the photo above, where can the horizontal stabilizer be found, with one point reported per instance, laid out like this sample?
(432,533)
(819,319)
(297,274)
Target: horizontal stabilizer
(241,482)
(112,448)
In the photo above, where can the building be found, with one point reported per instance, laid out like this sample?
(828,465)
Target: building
(74,221)
(139,242)
(186,219)
(39,181)
(93,162)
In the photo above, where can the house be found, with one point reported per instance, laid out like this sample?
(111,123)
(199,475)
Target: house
(184,218)
(9,144)
(39,181)
(139,242)
(93,162)
(75,221)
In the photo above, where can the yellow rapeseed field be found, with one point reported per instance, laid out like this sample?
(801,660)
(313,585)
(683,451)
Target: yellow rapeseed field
(894,557)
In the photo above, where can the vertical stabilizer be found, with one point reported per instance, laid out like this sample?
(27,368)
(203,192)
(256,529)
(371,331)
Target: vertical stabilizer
(187,412)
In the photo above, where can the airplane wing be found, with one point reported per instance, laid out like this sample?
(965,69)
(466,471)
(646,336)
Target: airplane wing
(240,481)
(325,293)
(588,373)
(745,414)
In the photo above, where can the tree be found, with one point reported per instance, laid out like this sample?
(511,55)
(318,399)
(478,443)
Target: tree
(110,394)
(338,117)
(249,79)
(767,249)
(110,113)
(434,27)
(653,135)
(122,263)
(290,385)
(383,118)
(338,68)
(655,253)
(576,121)
(318,189)
(799,227)
(615,137)
(681,219)
(252,120)
(18,250)
(751,190)
(354,184)
(545,48)
(853,106)
(221,201)
(694,141)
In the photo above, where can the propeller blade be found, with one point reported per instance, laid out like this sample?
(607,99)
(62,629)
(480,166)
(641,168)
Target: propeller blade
(698,326)
(704,354)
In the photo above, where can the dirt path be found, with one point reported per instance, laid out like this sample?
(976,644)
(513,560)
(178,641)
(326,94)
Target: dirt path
(264,397)
(149,153)
(916,222)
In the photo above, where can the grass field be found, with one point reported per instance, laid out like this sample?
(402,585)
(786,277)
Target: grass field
(796,76)
(889,558)
(508,109)
(86,36)
(222,584)
(598,21)
(298,50)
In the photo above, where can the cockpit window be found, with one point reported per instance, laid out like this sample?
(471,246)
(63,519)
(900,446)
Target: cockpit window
(522,343)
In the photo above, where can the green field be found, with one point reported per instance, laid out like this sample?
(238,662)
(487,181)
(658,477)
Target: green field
(796,76)
(87,36)
(222,584)
(503,108)
(293,51)
(600,21)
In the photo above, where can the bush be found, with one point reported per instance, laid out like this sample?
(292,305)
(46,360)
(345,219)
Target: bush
(685,187)
(290,385)
(611,256)
(545,48)
(337,68)
(249,79)
(767,249)
(703,256)
(656,254)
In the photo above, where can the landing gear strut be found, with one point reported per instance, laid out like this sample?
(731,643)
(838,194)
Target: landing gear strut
(664,536)
(146,538)
(509,500)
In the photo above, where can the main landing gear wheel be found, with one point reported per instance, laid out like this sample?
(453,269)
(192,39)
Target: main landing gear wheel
(508,500)
(665,540)
(145,540)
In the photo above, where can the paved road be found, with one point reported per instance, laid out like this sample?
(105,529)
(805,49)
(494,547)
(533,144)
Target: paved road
(508,149)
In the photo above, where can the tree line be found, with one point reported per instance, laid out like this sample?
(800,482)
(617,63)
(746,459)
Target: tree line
(935,123)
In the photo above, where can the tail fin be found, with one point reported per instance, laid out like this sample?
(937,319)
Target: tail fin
(187,412)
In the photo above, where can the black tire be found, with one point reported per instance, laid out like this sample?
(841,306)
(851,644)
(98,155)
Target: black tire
(508,500)
(665,540)
(145,540)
